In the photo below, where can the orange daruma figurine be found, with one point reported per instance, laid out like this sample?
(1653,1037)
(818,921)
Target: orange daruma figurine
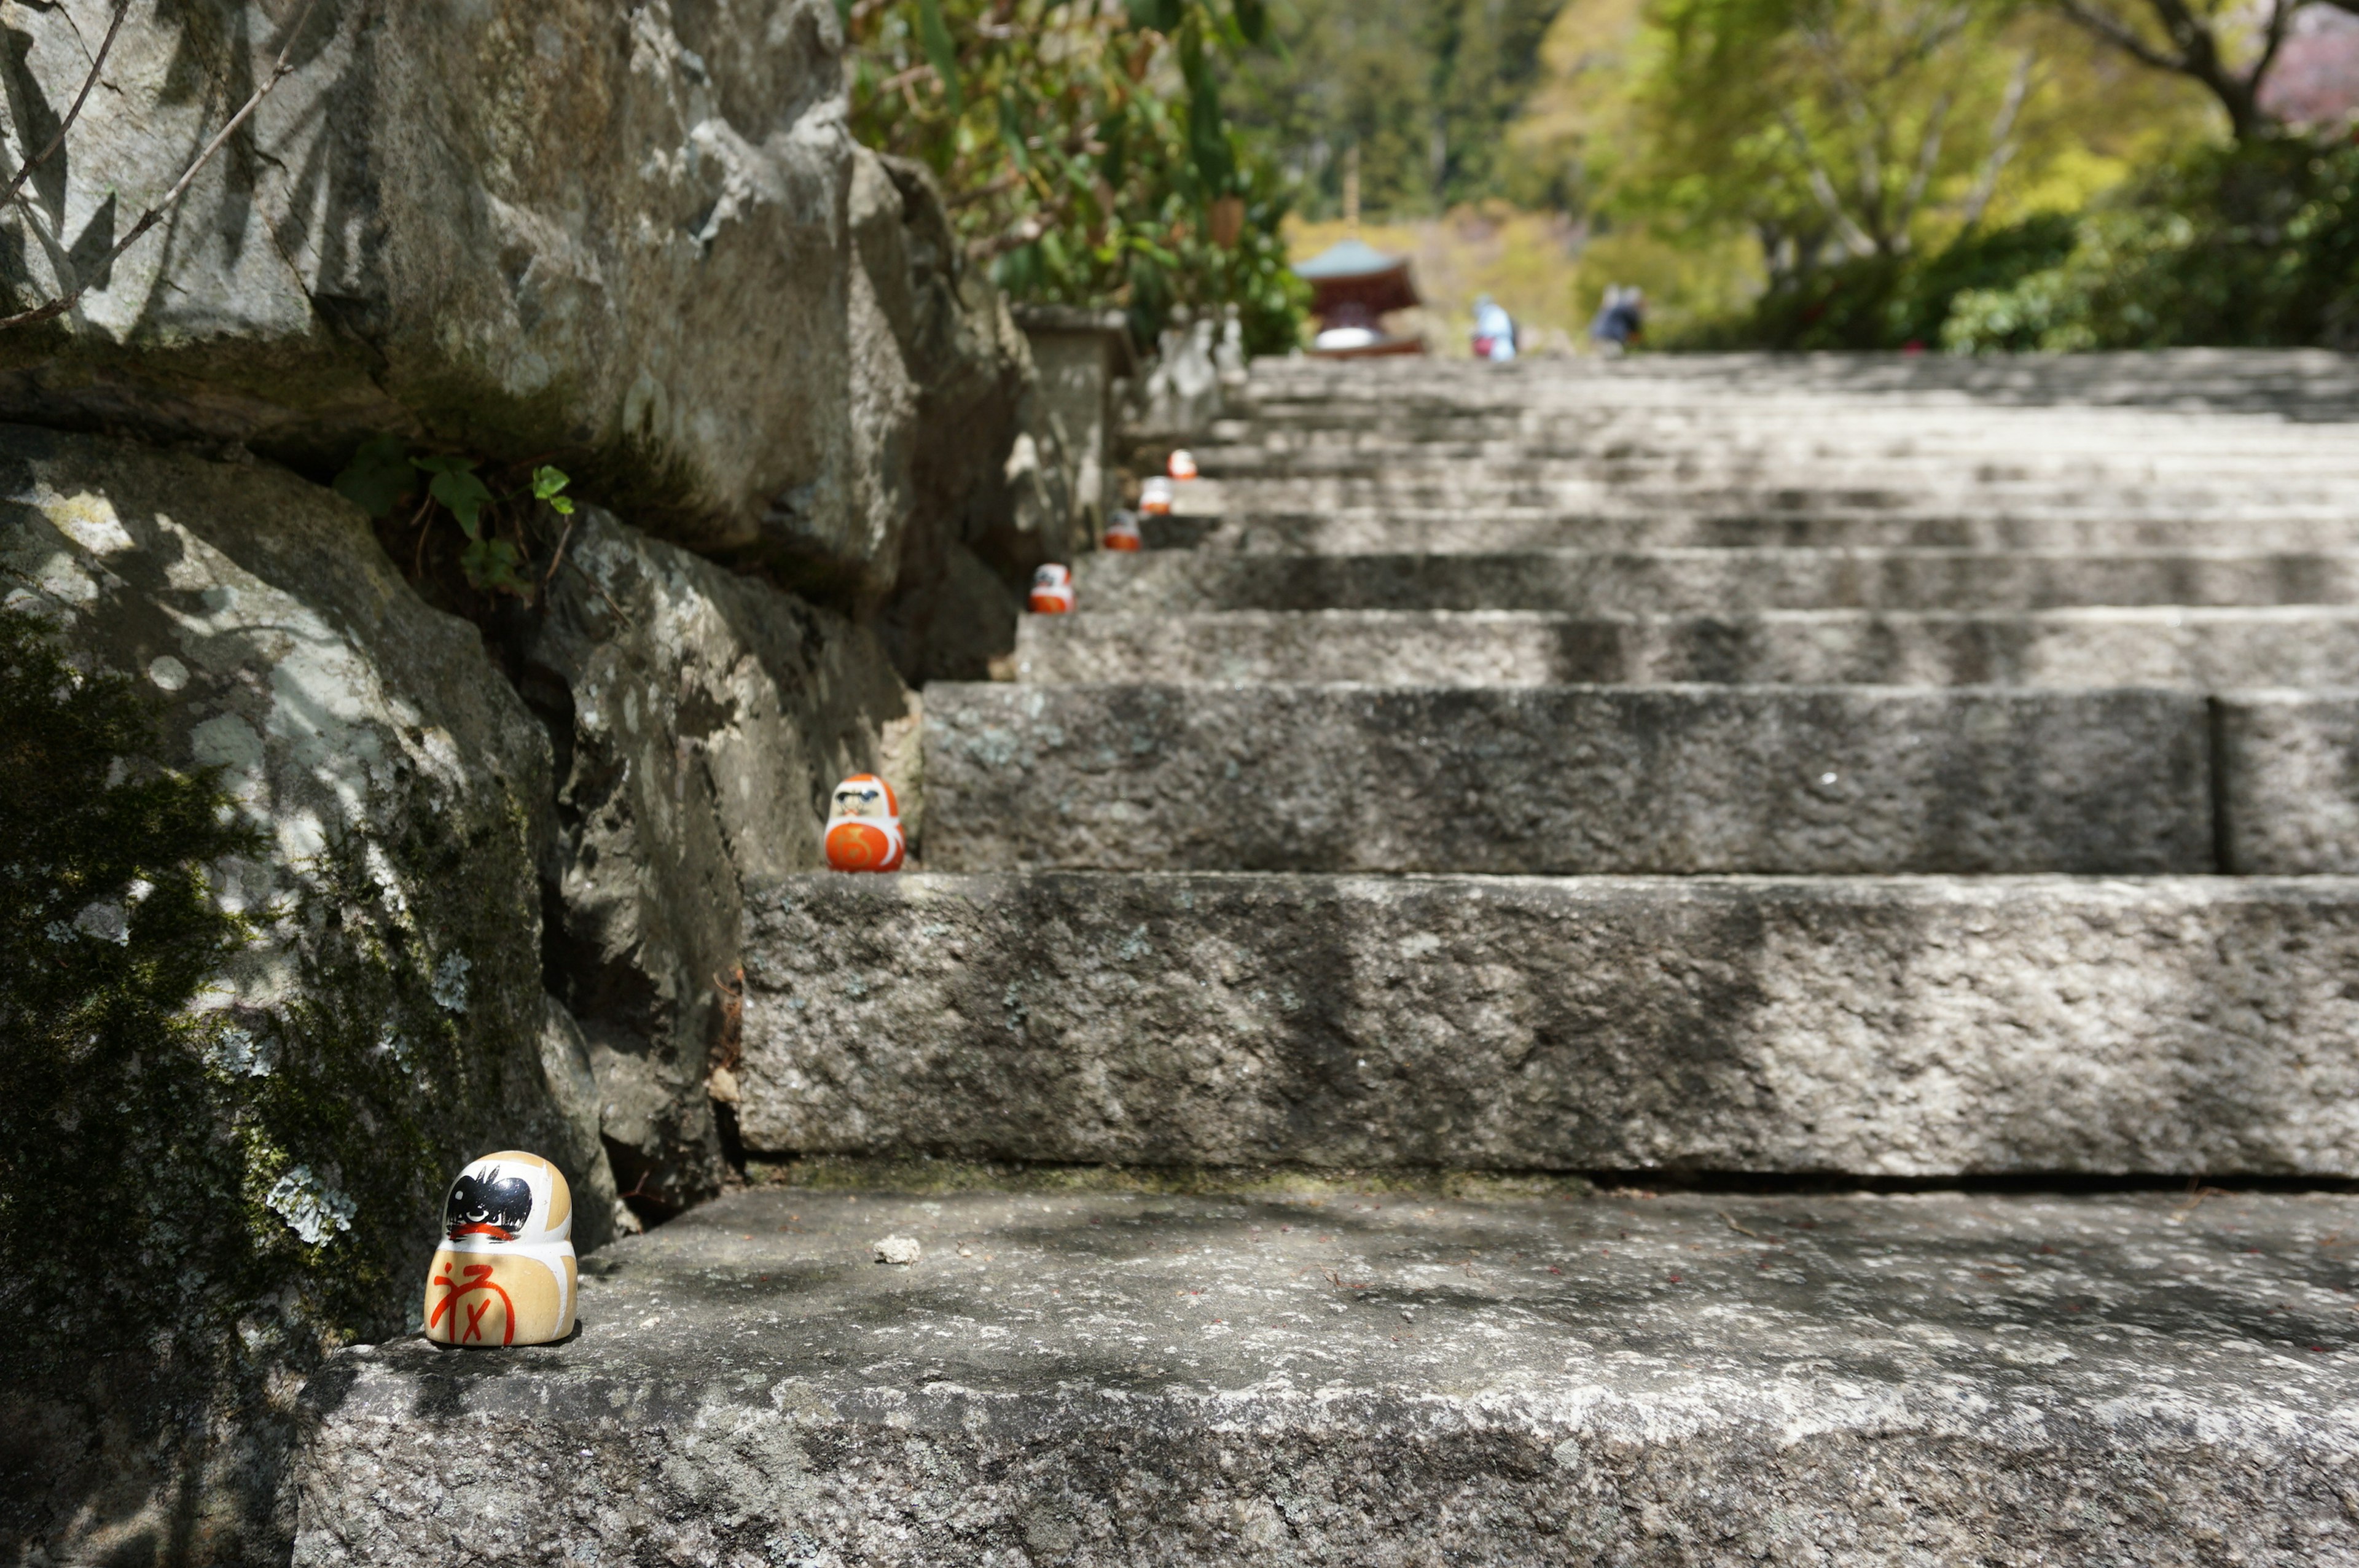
(863,826)
(1122,532)
(1052,590)
(504,1271)
(1155,498)
(1182,464)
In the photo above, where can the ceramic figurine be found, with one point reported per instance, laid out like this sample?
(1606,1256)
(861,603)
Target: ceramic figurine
(1052,590)
(504,1273)
(1122,532)
(1182,464)
(863,826)
(1155,498)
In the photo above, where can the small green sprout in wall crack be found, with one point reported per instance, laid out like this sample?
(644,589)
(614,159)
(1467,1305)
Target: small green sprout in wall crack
(497,526)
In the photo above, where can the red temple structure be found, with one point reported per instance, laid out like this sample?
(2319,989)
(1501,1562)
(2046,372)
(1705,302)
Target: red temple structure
(1352,285)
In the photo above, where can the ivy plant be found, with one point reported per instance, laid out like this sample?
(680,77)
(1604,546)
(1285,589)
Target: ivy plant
(496,526)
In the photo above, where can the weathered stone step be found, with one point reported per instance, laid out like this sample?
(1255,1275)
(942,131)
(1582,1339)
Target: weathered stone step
(1715,581)
(1316,1376)
(2309,386)
(1906,1026)
(1603,456)
(1475,530)
(1566,779)
(2205,650)
(1447,489)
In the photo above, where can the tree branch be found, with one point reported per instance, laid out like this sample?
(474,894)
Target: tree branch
(2002,151)
(148,219)
(2120,36)
(1929,153)
(1823,186)
(97,64)
(2273,37)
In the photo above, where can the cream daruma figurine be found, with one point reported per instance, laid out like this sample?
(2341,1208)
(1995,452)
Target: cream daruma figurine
(863,826)
(1155,498)
(1052,590)
(504,1272)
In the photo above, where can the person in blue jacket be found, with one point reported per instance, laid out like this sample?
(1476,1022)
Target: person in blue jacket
(1495,332)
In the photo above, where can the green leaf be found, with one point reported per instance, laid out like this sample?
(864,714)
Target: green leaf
(1208,141)
(1011,133)
(454,484)
(378,476)
(490,564)
(1253,19)
(547,481)
(940,53)
(1163,15)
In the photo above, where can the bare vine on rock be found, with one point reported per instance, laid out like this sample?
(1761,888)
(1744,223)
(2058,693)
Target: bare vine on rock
(51,310)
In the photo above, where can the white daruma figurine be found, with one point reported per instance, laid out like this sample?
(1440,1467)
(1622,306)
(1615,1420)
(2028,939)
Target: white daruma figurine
(504,1272)
(1155,498)
(1052,590)
(1182,464)
(863,826)
(1122,532)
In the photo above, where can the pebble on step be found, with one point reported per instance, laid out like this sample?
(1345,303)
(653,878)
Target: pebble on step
(504,1273)
(863,826)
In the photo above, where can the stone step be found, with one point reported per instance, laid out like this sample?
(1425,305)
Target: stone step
(1713,581)
(1454,489)
(2204,650)
(1477,530)
(1900,1027)
(2315,385)
(1799,461)
(1573,779)
(1319,1375)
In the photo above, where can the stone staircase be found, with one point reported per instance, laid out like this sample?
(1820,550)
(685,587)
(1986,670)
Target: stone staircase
(1884,823)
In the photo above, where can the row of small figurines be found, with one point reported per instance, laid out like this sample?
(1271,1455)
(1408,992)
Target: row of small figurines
(1052,585)
(504,1271)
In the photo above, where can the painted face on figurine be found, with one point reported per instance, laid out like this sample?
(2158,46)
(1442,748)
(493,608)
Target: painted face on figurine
(1182,464)
(1052,591)
(1155,498)
(504,1272)
(862,795)
(863,826)
(491,1205)
(1122,532)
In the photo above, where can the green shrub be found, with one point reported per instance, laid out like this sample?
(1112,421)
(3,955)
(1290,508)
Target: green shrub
(1891,302)
(2253,245)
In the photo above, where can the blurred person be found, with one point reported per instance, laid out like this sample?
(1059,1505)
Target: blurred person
(1620,319)
(1495,332)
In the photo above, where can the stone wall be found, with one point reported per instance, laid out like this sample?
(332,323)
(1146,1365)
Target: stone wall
(700,720)
(340,895)
(248,1045)
(639,244)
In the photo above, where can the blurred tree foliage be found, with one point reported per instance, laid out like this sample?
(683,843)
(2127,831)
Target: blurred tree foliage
(1426,91)
(1839,173)
(1083,150)
(2257,244)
